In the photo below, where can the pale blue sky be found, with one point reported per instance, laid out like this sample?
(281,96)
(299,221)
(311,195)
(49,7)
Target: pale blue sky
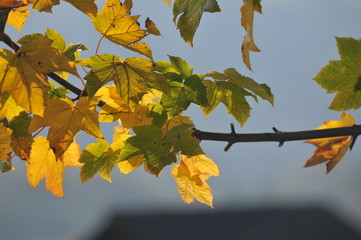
(297,38)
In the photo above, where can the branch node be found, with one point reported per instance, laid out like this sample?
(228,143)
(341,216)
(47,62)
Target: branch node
(233,136)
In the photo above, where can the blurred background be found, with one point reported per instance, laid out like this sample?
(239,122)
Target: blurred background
(297,39)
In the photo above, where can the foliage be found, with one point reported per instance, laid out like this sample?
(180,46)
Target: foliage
(146,97)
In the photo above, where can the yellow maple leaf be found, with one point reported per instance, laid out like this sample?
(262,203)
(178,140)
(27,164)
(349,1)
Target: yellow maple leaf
(23,74)
(5,140)
(332,149)
(17,17)
(191,175)
(116,108)
(43,163)
(247,11)
(66,120)
(70,158)
(117,25)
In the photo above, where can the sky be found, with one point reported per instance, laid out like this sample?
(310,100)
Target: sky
(297,39)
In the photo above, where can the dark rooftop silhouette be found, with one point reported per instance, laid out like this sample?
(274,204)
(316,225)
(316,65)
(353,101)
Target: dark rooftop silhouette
(266,224)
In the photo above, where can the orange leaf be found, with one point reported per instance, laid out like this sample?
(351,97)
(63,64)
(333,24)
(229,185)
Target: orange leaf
(332,149)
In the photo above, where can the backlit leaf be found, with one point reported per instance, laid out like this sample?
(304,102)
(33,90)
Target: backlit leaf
(43,163)
(5,141)
(71,156)
(231,95)
(247,11)
(191,175)
(188,14)
(66,120)
(17,17)
(23,74)
(131,76)
(117,25)
(343,76)
(21,139)
(97,158)
(331,150)
(183,93)
(44,5)
(231,75)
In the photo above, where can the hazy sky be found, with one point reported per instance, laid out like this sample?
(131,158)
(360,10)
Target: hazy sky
(297,39)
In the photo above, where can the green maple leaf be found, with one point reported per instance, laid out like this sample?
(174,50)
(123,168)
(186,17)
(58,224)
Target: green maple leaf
(150,142)
(159,148)
(231,75)
(231,95)
(183,93)
(343,77)
(97,158)
(191,12)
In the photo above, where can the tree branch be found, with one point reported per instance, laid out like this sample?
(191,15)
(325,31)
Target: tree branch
(277,136)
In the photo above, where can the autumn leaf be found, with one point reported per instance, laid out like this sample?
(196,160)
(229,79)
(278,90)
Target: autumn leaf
(21,139)
(231,75)
(17,17)
(183,93)
(71,156)
(5,143)
(43,163)
(191,12)
(44,5)
(176,65)
(231,95)
(151,27)
(9,108)
(23,74)
(247,11)
(132,76)
(343,76)
(66,120)
(159,147)
(191,175)
(331,150)
(97,158)
(12,3)
(116,24)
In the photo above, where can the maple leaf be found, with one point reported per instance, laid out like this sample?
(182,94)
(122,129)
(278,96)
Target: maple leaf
(66,120)
(97,158)
(71,156)
(9,108)
(343,76)
(5,143)
(159,147)
(247,11)
(116,24)
(176,65)
(21,139)
(191,12)
(44,5)
(23,74)
(131,76)
(332,149)
(231,95)
(17,17)
(43,163)
(191,175)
